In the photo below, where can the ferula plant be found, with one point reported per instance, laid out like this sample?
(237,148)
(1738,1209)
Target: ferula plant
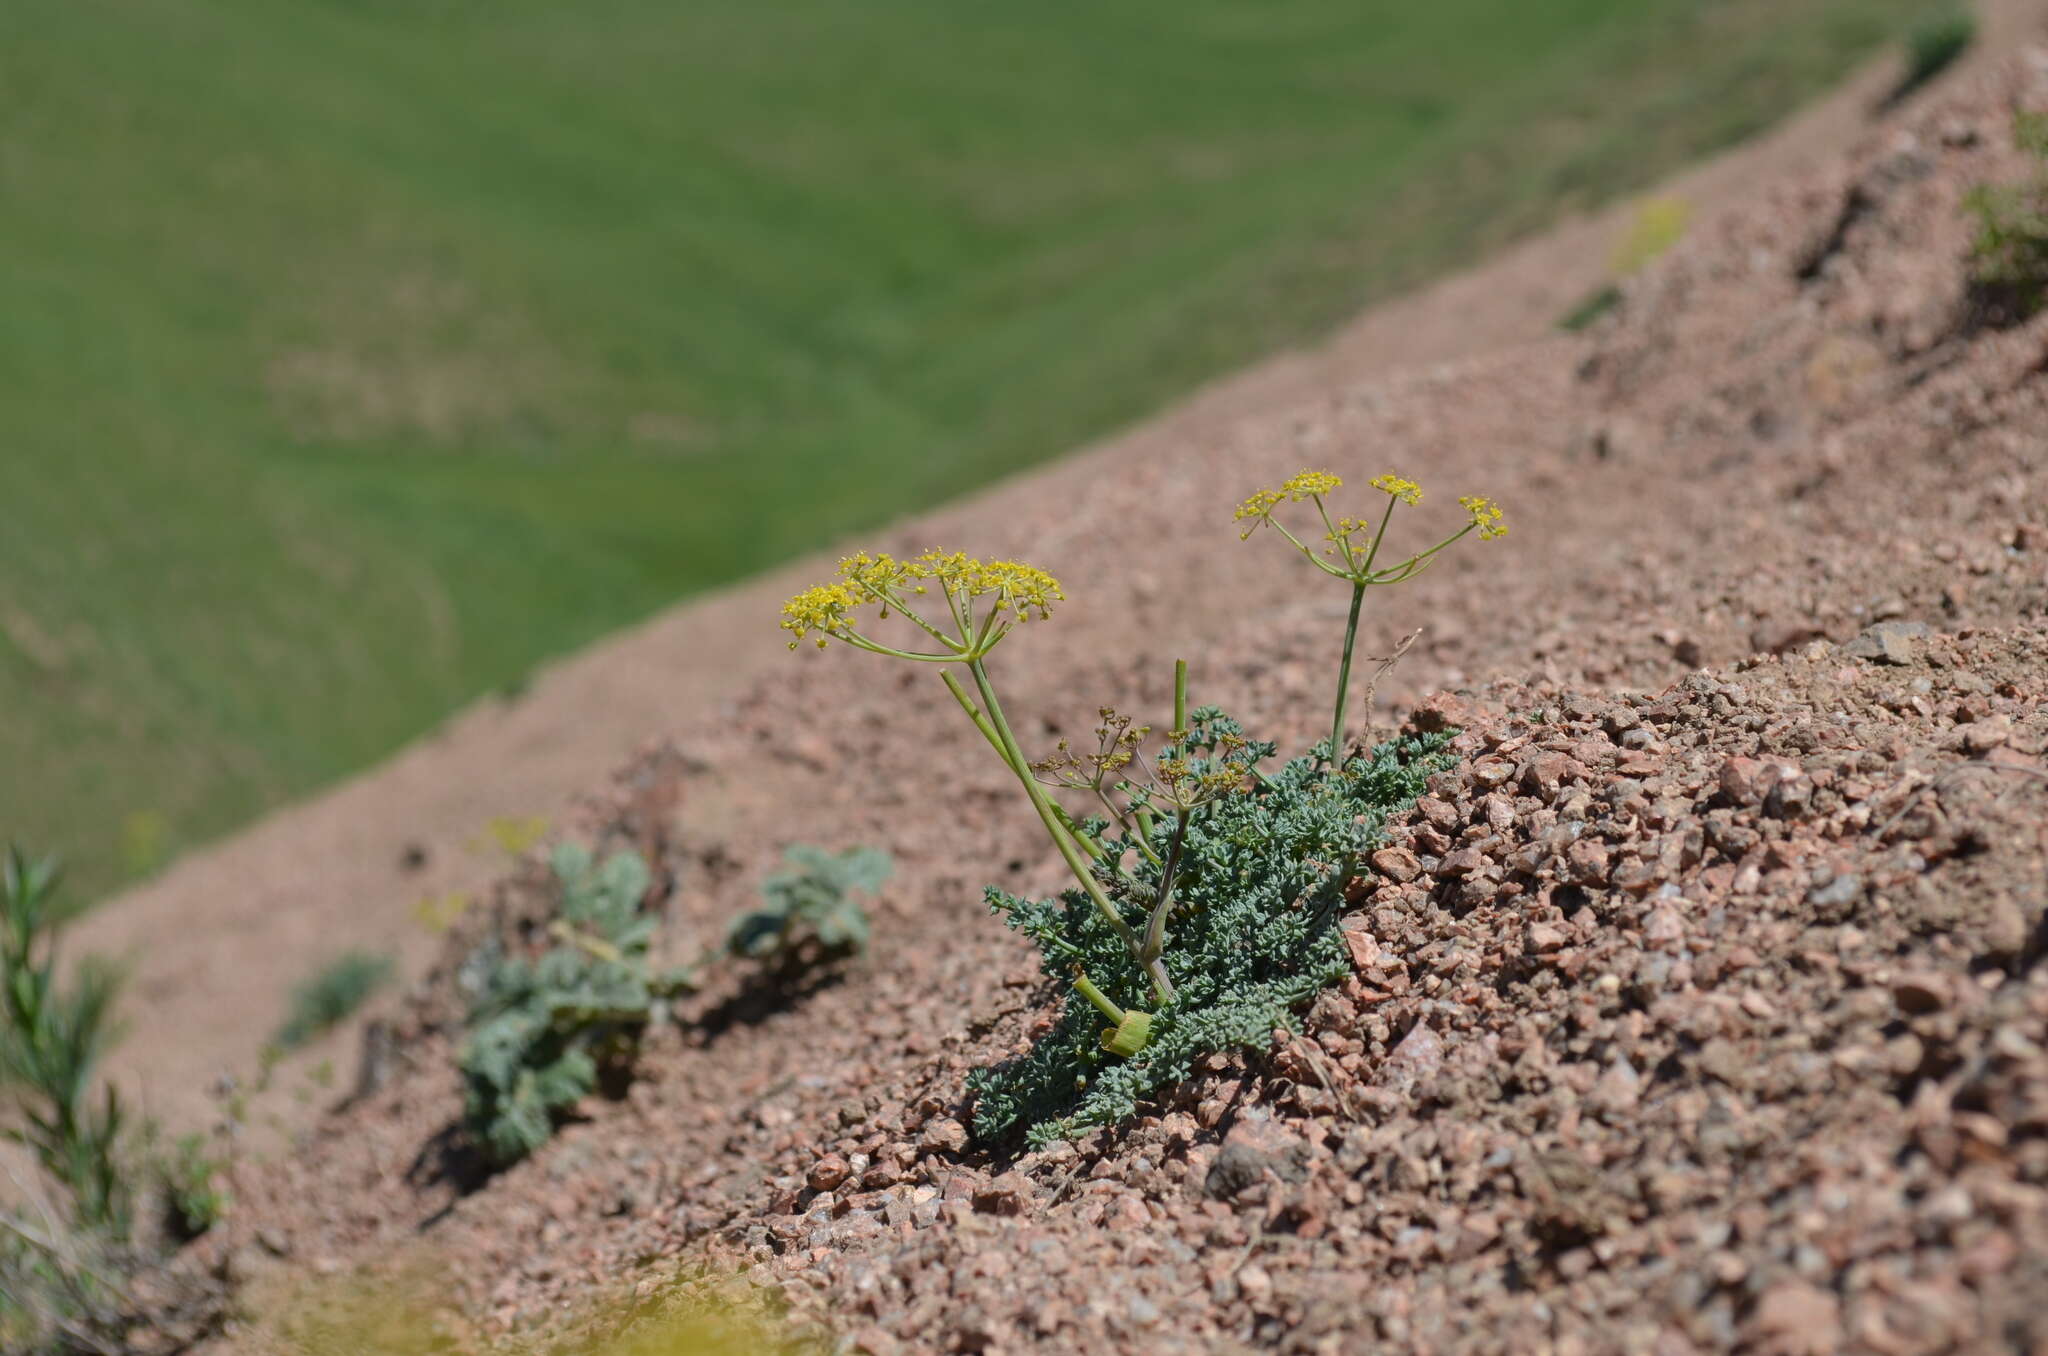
(972,607)
(1206,889)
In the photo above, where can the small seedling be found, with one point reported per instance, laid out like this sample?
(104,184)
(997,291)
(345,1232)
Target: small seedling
(332,996)
(2009,255)
(540,1032)
(810,912)
(193,1199)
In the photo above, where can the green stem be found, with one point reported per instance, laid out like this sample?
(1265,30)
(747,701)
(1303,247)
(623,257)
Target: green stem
(1372,552)
(1122,821)
(974,714)
(1086,839)
(1155,926)
(1039,802)
(1180,694)
(1103,1005)
(995,741)
(1344,678)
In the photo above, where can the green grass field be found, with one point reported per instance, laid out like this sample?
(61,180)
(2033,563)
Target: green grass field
(356,355)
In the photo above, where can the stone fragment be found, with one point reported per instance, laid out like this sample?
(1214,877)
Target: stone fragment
(1543,774)
(1588,861)
(1889,642)
(1463,862)
(1255,1147)
(1720,1059)
(1664,927)
(1617,1091)
(944,1135)
(1920,991)
(828,1172)
(1007,1194)
(1396,864)
(1777,637)
(1419,1055)
(1835,899)
(1983,736)
(1745,780)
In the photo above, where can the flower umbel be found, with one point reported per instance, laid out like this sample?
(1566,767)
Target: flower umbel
(983,599)
(1486,516)
(1407,491)
(1310,485)
(1259,508)
(822,609)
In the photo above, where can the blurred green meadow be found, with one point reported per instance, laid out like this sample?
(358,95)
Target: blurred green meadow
(357,355)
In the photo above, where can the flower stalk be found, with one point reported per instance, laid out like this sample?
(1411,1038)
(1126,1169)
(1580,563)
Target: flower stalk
(1351,550)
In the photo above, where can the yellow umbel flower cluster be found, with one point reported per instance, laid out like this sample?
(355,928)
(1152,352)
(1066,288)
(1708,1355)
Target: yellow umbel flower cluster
(822,609)
(825,612)
(1352,545)
(1296,488)
(1486,516)
(879,576)
(1259,507)
(1407,491)
(1309,485)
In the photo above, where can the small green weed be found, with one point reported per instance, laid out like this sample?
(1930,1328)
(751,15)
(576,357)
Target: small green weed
(2009,256)
(51,1043)
(331,997)
(809,913)
(61,1265)
(541,1032)
(1599,302)
(193,1198)
(1206,888)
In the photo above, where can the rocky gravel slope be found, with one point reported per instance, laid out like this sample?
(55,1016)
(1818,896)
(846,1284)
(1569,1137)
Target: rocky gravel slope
(1703,1006)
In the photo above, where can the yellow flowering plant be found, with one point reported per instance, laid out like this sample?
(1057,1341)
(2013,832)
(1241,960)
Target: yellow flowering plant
(964,608)
(1349,550)
(1246,868)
